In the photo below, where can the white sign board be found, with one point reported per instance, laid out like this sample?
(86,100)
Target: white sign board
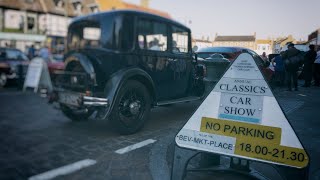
(241,118)
(37,74)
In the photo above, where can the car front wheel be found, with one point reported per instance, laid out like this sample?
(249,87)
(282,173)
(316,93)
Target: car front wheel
(131,107)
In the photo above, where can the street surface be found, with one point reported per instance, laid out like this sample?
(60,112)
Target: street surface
(36,138)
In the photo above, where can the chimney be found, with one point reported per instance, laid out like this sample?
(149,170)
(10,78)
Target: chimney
(254,34)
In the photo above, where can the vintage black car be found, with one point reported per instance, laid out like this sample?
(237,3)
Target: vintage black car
(122,63)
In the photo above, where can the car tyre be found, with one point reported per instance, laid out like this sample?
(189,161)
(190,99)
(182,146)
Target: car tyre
(71,114)
(3,80)
(131,108)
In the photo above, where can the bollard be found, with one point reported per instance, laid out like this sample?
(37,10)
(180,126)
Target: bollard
(215,67)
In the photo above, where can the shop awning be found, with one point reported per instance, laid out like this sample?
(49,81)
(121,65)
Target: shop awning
(22,37)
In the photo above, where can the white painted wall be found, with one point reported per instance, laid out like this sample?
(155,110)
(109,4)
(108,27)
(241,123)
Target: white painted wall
(54,25)
(202,44)
(14,19)
(264,48)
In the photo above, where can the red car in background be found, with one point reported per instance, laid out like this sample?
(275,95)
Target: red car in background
(231,53)
(55,63)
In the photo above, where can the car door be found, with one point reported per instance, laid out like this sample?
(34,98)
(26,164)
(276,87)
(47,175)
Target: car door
(153,51)
(180,61)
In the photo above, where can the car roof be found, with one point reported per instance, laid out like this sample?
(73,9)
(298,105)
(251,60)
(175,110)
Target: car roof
(128,12)
(226,49)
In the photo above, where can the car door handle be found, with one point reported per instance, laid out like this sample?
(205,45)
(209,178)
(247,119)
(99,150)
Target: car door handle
(171,59)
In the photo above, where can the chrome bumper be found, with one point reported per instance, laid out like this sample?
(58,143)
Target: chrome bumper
(94,101)
(76,99)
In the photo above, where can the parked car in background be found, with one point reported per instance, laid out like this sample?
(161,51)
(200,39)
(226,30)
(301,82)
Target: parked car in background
(11,60)
(55,63)
(231,53)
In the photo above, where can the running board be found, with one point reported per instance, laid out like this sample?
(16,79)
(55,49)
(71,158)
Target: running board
(180,100)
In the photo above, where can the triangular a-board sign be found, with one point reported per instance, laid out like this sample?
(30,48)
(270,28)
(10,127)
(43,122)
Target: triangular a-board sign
(242,118)
(37,74)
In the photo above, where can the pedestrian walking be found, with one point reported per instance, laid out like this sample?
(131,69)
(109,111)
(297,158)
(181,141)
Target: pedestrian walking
(316,73)
(44,53)
(31,52)
(279,71)
(264,57)
(292,63)
(309,59)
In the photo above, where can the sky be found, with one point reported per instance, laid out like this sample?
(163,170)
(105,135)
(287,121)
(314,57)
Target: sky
(268,18)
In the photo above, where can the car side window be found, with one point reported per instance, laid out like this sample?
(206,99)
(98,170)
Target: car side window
(3,55)
(152,35)
(179,40)
(24,57)
(85,34)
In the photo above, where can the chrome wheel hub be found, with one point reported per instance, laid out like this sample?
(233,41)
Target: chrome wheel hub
(135,107)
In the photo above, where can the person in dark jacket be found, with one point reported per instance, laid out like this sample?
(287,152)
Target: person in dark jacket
(317,69)
(31,52)
(291,67)
(278,64)
(309,59)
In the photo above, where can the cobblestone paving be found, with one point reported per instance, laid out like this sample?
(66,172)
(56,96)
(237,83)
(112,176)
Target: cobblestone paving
(36,138)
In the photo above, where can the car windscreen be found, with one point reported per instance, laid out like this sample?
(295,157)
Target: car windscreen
(57,58)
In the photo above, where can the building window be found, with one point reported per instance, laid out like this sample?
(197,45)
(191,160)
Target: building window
(77,6)
(94,9)
(59,3)
(30,23)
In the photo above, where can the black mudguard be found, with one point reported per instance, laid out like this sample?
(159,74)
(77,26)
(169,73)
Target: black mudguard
(117,79)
